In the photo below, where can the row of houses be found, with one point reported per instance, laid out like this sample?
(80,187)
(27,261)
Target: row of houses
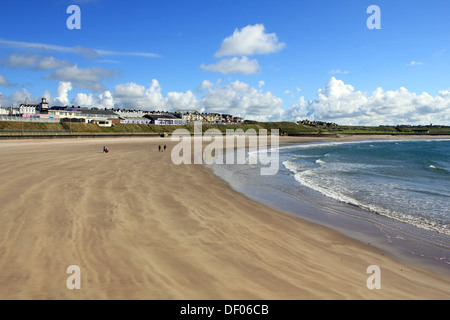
(317,123)
(109,117)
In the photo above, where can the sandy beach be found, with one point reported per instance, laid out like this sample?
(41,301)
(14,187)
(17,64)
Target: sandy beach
(140,227)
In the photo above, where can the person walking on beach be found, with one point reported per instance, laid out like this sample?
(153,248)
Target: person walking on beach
(165,147)
(159,148)
(105,149)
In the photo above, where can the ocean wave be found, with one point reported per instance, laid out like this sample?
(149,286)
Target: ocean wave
(306,178)
(437,168)
(291,166)
(320,161)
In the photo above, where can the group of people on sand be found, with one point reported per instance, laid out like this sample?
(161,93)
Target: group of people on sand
(162,149)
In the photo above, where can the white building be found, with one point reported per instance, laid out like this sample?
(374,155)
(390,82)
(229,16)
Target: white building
(4,111)
(165,119)
(27,110)
(130,113)
(189,116)
(134,120)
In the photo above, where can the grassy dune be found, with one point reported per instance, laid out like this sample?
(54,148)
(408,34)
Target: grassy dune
(285,128)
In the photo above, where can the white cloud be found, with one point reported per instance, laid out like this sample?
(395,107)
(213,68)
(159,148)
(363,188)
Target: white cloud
(289,93)
(205,85)
(132,95)
(338,71)
(439,53)
(38,62)
(415,63)
(16,60)
(62,92)
(129,90)
(87,52)
(88,78)
(261,84)
(183,101)
(336,102)
(17,97)
(50,63)
(248,41)
(5,82)
(240,99)
(340,103)
(234,65)
(103,100)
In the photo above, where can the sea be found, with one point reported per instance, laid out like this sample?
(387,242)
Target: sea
(392,194)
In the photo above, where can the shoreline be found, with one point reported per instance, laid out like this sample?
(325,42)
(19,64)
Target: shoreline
(409,243)
(143,228)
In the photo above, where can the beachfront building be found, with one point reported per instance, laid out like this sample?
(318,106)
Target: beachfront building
(4,111)
(27,111)
(101,117)
(189,116)
(61,113)
(134,120)
(123,114)
(165,119)
(32,110)
(214,118)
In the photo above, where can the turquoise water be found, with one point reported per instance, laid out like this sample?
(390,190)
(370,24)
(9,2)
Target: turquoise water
(408,181)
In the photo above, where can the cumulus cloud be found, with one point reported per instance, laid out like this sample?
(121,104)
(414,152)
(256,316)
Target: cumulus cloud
(62,92)
(336,102)
(339,102)
(289,93)
(237,98)
(234,65)
(37,62)
(132,95)
(16,60)
(103,100)
(183,101)
(204,86)
(248,41)
(88,78)
(17,97)
(137,96)
(50,63)
(5,82)
(240,99)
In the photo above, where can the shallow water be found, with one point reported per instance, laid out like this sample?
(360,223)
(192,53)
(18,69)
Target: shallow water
(391,194)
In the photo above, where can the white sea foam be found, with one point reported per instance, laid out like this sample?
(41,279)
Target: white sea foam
(320,161)
(311,179)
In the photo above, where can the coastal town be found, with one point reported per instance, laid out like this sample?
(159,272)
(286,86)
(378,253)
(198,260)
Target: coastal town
(42,112)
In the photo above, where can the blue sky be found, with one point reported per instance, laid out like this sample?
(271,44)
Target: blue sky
(266,60)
